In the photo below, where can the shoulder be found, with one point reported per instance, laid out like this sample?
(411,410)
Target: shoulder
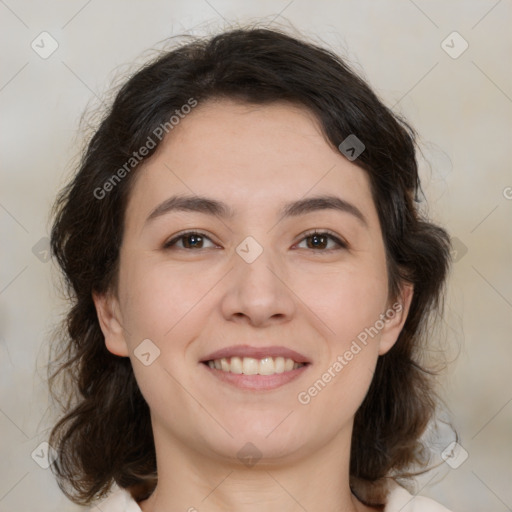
(120,500)
(400,500)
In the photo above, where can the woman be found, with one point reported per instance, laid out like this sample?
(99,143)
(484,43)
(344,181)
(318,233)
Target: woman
(252,284)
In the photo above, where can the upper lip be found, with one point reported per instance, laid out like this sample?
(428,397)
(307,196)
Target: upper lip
(256,353)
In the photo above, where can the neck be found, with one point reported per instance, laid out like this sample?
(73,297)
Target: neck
(190,481)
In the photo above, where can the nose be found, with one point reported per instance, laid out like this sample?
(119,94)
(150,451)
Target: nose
(258,292)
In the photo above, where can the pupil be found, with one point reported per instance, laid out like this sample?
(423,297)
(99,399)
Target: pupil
(316,239)
(194,238)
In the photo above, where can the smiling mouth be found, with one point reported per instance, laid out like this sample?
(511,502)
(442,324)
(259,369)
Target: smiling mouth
(251,366)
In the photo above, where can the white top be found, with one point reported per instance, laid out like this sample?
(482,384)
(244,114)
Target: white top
(399,500)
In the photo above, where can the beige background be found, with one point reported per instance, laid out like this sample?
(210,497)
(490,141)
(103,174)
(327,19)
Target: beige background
(461,107)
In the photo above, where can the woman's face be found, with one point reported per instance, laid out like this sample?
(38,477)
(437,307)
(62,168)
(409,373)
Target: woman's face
(252,276)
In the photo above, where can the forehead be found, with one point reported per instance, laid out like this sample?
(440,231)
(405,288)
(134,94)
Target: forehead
(250,156)
(256,137)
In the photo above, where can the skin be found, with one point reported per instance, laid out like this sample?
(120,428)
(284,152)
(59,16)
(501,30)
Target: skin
(190,302)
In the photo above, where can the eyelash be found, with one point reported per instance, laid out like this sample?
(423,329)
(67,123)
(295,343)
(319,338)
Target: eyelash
(341,243)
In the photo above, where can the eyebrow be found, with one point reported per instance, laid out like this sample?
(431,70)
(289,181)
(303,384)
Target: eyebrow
(209,206)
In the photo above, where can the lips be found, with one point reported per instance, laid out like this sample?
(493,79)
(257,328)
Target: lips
(256,353)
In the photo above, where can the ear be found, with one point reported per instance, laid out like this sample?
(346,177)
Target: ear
(395,317)
(109,317)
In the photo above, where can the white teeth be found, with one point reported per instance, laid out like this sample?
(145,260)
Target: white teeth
(267,366)
(236,365)
(279,364)
(224,365)
(251,366)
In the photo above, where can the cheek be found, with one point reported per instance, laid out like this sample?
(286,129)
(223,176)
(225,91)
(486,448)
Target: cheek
(158,304)
(346,300)
(337,387)
(157,297)
(350,303)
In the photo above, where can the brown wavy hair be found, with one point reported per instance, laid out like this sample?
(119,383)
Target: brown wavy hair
(104,434)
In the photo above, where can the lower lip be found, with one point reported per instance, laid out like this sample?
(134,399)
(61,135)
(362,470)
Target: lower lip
(257,382)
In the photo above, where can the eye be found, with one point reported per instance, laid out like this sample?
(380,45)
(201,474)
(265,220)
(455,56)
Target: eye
(320,240)
(190,239)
